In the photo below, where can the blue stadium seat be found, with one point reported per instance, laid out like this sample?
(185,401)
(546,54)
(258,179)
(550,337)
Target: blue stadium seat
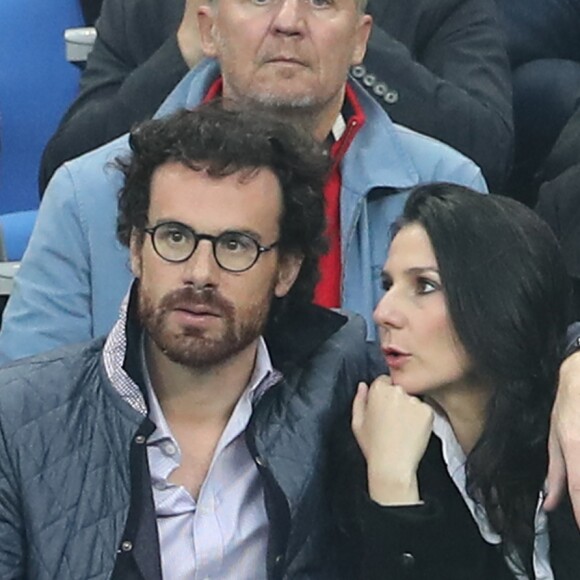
(15,230)
(36,86)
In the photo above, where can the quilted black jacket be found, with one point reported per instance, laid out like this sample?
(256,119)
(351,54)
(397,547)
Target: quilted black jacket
(75,495)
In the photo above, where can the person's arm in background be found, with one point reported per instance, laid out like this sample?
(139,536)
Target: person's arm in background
(441,68)
(143,49)
(558,207)
(564,444)
(91,10)
(50,304)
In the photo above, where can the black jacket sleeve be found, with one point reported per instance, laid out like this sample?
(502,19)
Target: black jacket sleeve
(436,540)
(440,67)
(134,65)
(566,151)
(398,541)
(91,10)
(559,206)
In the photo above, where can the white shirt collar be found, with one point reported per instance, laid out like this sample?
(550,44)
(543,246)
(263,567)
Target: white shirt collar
(263,377)
(339,127)
(454,459)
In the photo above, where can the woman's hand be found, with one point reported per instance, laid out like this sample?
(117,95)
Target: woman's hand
(392,430)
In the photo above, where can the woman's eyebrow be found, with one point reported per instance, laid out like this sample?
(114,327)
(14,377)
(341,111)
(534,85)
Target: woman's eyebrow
(414,271)
(422,269)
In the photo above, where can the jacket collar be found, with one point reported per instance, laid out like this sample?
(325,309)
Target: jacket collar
(192,88)
(377,156)
(293,334)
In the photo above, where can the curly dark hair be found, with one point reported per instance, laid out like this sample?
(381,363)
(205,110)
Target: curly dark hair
(507,293)
(223,141)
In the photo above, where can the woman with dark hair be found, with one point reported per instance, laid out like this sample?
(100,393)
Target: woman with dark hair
(471,325)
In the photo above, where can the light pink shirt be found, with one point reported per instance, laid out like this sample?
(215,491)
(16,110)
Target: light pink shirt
(224,533)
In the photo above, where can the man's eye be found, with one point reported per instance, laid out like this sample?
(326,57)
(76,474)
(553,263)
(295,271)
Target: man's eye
(236,243)
(232,245)
(176,237)
(320,3)
(173,236)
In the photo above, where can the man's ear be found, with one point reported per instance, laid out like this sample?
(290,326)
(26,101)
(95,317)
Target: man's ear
(288,270)
(362,35)
(206,23)
(135,249)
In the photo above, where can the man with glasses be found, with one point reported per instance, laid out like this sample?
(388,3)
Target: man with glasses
(195,440)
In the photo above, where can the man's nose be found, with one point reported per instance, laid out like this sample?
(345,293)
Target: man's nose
(201,269)
(289,17)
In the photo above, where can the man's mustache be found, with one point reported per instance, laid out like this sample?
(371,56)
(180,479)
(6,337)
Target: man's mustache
(189,296)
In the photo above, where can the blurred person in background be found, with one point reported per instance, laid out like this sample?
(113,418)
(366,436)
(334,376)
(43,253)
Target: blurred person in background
(437,66)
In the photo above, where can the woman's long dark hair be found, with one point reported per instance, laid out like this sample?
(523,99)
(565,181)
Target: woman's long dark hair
(507,294)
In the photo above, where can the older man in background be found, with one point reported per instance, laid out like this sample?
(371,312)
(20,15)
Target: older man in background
(437,66)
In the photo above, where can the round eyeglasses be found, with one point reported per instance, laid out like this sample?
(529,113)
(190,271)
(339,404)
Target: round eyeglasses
(233,251)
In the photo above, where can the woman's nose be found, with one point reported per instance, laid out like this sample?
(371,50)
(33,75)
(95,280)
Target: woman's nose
(388,312)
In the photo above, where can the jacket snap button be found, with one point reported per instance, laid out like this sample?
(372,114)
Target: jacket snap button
(140,439)
(369,80)
(259,461)
(407,560)
(278,559)
(358,71)
(391,97)
(380,89)
(127,546)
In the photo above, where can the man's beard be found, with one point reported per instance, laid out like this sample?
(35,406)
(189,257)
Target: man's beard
(296,108)
(301,111)
(190,346)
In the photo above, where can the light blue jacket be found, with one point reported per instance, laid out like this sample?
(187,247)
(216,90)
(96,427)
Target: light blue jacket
(75,273)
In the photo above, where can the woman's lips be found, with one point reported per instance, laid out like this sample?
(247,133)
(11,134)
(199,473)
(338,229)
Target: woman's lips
(395,357)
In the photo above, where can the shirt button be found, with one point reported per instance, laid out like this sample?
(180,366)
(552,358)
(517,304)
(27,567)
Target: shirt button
(126,546)
(160,485)
(169,449)
(140,439)
(407,560)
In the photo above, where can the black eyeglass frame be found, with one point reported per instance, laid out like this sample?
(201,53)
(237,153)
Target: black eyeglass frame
(213,239)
